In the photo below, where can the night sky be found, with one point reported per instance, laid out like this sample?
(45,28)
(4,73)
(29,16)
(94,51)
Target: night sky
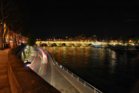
(46,19)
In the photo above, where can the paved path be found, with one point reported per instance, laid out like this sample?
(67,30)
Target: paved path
(4,80)
(16,78)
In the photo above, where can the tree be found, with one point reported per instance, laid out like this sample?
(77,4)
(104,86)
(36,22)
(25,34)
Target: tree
(9,19)
(31,40)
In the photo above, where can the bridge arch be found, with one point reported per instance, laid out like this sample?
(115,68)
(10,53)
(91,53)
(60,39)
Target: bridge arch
(53,44)
(63,44)
(43,44)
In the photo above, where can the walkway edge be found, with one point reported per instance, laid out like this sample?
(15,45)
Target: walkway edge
(14,84)
(15,87)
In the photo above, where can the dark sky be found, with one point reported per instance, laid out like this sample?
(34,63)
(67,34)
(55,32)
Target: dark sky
(71,18)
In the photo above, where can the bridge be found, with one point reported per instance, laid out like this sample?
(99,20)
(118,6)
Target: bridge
(72,43)
(55,74)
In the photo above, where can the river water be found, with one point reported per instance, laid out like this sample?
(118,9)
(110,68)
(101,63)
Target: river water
(105,69)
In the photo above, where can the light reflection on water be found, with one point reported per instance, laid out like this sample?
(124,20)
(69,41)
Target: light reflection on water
(104,68)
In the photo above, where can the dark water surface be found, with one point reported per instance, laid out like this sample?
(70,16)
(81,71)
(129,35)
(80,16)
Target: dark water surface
(105,69)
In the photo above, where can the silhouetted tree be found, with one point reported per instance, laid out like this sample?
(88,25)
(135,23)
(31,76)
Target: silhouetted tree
(31,40)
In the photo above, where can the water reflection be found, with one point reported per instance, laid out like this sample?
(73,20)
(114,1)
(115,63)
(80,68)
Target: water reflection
(109,71)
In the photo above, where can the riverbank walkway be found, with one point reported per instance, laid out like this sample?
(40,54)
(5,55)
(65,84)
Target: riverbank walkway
(15,77)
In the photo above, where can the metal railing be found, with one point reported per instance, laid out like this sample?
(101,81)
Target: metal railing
(78,78)
(83,82)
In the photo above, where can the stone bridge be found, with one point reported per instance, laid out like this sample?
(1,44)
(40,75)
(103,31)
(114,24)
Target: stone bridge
(72,43)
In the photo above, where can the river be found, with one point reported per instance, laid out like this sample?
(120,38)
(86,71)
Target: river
(105,69)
